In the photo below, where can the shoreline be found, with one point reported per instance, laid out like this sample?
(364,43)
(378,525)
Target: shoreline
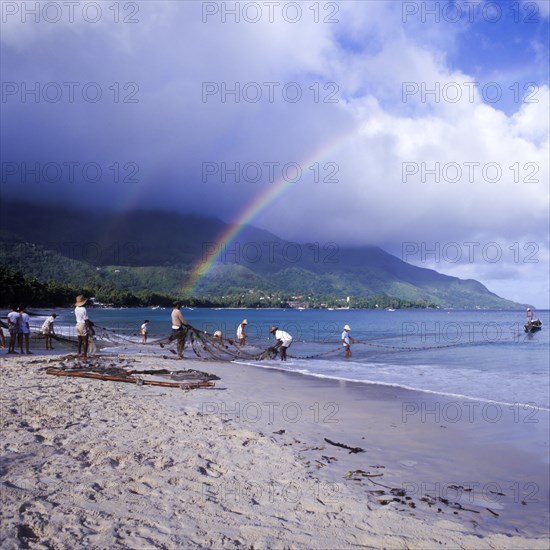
(110,350)
(398,387)
(226,428)
(458,372)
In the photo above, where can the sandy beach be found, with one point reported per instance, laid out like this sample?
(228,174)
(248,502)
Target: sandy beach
(96,464)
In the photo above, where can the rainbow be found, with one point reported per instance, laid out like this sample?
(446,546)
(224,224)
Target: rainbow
(279,188)
(254,209)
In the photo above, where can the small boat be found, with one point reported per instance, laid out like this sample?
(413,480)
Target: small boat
(533,326)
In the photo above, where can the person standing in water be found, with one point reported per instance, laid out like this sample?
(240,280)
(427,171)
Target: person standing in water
(144,331)
(284,340)
(241,336)
(347,340)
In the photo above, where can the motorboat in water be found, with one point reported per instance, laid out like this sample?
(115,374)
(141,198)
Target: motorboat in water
(533,326)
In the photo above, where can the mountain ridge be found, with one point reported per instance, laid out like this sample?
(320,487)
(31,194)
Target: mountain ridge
(158,250)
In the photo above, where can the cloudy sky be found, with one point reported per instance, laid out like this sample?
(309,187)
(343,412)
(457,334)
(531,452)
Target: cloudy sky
(421,127)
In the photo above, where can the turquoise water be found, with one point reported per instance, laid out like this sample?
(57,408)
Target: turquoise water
(474,354)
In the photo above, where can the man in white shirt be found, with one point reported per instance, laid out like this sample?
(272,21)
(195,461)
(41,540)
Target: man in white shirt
(346,341)
(284,340)
(81,316)
(178,324)
(144,331)
(241,336)
(529,316)
(48,330)
(13,328)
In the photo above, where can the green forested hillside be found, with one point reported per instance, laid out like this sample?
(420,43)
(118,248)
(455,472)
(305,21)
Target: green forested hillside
(137,254)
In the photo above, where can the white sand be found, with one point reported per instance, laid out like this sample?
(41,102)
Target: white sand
(93,464)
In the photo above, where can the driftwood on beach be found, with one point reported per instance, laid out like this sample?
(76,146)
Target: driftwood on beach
(350,449)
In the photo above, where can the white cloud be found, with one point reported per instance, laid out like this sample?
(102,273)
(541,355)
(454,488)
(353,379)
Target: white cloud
(369,134)
(542,8)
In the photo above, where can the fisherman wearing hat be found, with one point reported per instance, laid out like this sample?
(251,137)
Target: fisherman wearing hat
(283,341)
(241,334)
(81,316)
(529,316)
(346,341)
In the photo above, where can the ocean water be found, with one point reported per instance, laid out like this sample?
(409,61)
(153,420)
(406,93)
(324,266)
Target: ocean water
(482,355)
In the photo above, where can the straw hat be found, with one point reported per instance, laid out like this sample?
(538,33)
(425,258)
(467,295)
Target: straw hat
(273,329)
(80,300)
(245,322)
(346,327)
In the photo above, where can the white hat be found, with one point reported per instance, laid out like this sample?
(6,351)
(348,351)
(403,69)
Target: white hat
(80,300)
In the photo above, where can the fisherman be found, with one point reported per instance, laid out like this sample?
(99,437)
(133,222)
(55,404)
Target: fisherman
(241,334)
(284,340)
(144,331)
(24,329)
(346,341)
(81,316)
(48,330)
(217,339)
(529,316)
(13,328)
(178,324)
(90,328)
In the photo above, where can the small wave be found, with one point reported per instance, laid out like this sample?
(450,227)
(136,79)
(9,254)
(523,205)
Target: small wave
(307,372)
